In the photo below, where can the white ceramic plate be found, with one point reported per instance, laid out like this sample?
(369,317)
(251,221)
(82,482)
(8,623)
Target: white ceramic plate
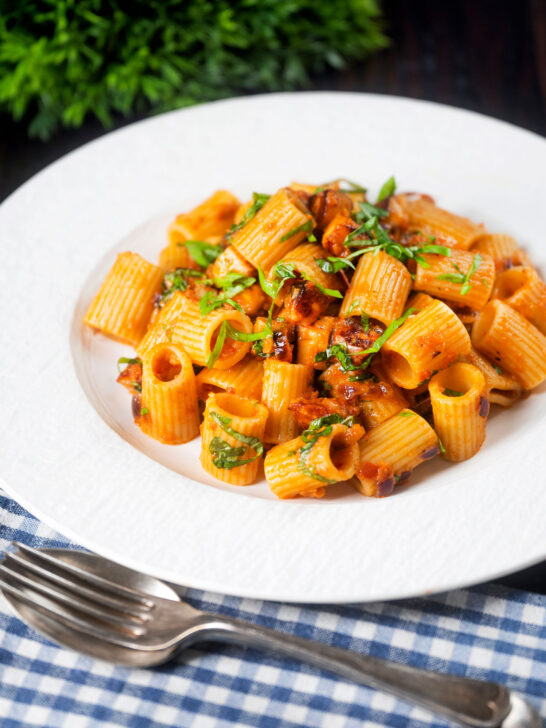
(70,453)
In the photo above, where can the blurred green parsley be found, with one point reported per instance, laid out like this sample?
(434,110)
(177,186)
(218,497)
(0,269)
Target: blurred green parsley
(64,60)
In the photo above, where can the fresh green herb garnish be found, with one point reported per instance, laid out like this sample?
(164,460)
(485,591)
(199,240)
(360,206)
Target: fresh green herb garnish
(321,427)
(144,411)
(303,228)
(311,238)
(127,360)
(452,392)
(365,321)
(201,252)
(353,305)
(367,211)
(227,330)
(258,201)
(225,455)
(137,386)
(460,277)
(406,413)
(233,284)
(377,239)
(441,446)
(351,186)
(176,280)
(339,351)
(387,189)
(498,369)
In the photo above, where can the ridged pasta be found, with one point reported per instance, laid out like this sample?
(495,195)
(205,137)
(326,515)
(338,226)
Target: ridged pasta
(480,284)
(522,289)
(451,230)
(175,255)
(209,219)
(382,400)
(283,382)
(379,287)
(330,460)
(124,304)
(229,423)
(230,261)
(160,328)
(304,258)
(244,379)
(460,407)
(392,450)
(425,343)
(198,334)
(170,412)
(503,249)
(279,226)
(502,388)
(313,338)
(510,341)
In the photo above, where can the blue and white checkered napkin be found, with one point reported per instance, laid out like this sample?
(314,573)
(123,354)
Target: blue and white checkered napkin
(485,632)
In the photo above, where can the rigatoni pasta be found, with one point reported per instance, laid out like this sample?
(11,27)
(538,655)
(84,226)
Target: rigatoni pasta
(460,407)
(231,446)
(510,341)
(379,288)
(124,304)
(427,342)
(331,337)
(464,278)
(169,411)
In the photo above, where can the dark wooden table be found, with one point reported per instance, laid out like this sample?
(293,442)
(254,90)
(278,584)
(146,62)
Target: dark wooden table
(484,55)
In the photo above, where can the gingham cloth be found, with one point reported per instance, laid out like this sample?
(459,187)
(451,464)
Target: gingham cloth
(485,632)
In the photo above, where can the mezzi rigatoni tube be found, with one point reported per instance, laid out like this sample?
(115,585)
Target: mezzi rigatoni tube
(511,342)
(125,302)
(450,229)
(291,470)
(442,276)
(282,384)
(503,249)
(169,411)
(312,339)
(392,450)
(379,287)
(277,228)
(198,334)
(244,378)
(232,438)
(522,289)
(502,388)
(304,260)
(425,343)
(460,407)
(211,218)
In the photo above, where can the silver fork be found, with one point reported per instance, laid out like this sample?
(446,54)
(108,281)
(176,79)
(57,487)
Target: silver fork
(91,604)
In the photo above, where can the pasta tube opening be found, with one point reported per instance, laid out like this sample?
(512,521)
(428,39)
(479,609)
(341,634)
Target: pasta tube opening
(165,365)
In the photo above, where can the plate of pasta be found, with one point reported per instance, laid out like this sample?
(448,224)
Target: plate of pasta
(255,369)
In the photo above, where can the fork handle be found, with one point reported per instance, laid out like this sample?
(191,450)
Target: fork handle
(471,702)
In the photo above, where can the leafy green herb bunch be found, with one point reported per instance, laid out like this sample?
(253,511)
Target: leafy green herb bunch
(64,60)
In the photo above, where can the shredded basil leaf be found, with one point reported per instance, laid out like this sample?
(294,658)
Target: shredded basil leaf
(233,284)
(176,280)
(320,427)
(201,252)
(144,411)
(498,369)
(452,392)
(225,455)
(258,201)
(227,330)
(127,360)
(460,277)
(406,413)
(339,351)
(388,188)
(304,228)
